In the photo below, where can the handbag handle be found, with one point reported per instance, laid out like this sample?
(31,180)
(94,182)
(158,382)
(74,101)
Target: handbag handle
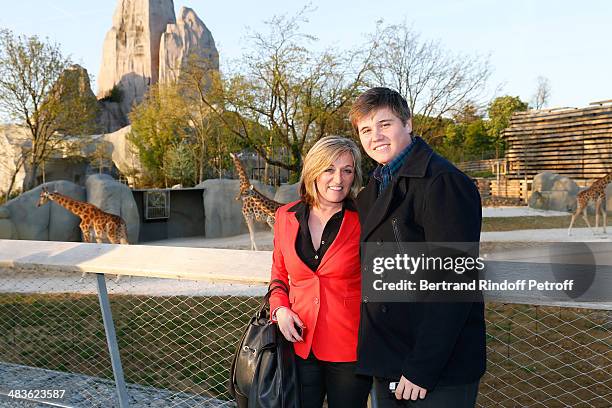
(275,284)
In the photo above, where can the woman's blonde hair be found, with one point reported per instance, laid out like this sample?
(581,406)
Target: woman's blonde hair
(322,155)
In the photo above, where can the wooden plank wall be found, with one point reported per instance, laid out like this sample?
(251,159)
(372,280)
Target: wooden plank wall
(504,188)
(483,165)
(573,142)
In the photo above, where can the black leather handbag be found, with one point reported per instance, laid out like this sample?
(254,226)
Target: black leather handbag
(263,372)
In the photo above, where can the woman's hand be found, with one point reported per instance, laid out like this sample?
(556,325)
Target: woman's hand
(287,321)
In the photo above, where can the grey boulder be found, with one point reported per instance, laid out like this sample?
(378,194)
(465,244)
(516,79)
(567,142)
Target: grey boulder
(113,197)
(287,193)
(50,222)
(222,212)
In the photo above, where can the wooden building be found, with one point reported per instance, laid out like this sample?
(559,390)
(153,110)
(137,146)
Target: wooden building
(573,142)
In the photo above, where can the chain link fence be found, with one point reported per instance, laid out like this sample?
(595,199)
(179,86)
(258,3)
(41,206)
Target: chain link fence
(177,339)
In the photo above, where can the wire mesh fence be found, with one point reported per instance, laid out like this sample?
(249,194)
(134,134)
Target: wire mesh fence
(177,338)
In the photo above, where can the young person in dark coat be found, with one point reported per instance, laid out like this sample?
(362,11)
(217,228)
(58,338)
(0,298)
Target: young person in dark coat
(435,352)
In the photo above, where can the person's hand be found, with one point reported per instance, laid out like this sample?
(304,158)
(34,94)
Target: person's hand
(287,320)
(409,391)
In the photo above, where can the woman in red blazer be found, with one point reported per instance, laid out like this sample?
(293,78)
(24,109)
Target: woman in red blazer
(316,251)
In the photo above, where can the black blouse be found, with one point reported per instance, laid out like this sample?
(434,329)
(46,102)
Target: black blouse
(303,242)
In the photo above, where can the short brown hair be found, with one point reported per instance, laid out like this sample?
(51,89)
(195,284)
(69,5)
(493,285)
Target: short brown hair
(377,98)
(320,156)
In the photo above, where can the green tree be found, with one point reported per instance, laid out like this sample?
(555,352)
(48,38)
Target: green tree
(179,164)
(38,91)
(477,141)
(101,156)
(466,136)
(209,138)
(159,122)
(500,111)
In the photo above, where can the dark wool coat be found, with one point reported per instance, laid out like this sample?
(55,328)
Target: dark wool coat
(429,200)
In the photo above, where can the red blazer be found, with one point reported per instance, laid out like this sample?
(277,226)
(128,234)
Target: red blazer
(328,300)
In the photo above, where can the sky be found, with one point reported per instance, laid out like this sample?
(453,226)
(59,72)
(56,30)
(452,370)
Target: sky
(566,42)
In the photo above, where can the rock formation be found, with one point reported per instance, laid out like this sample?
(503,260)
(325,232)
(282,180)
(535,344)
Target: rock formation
(123,155)
(188,37)
(14,142)
(49,222)
(7,227)
(287,193)
(109,116)
(147,44)
(551,191)
(130,55)
(80,109)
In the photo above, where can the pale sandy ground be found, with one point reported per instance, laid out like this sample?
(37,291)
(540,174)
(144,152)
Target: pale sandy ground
(489,212)
(264,238)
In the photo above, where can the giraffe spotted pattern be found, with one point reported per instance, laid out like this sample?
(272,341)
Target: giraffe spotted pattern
(103,224)
(255,205)
(597,193)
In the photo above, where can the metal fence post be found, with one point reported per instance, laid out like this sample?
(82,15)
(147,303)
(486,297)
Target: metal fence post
(111,340)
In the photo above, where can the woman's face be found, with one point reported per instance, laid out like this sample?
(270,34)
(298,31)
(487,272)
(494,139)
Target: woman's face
(334,184)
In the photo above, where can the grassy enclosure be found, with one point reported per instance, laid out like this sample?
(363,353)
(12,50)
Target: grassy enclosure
(538,356)
(535,222)
(176,343)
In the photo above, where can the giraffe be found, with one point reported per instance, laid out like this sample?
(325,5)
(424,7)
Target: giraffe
(102,222)
(597,193)
(255,205)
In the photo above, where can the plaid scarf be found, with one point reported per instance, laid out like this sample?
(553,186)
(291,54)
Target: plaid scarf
(384,174)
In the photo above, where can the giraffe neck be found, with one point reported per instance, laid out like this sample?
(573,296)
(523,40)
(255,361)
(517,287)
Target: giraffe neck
(244,180)
(68,203)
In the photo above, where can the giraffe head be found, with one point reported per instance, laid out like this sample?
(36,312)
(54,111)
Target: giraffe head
(44,197)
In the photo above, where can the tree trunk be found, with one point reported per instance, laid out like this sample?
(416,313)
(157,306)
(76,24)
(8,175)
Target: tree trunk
(266,176)
(18,167)
(30,179)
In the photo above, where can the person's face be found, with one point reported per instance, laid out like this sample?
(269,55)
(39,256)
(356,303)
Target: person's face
(334,184)
(383,136)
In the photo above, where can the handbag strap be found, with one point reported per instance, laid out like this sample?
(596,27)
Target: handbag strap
(275,284)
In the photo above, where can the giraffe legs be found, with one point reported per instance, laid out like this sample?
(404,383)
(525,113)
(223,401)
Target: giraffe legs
(111,233)
(251,224)
(99,230)
(599,207)
(581,209)
(85,230)
(270,222)
(116,233)
(604,211)
(586,218)
(569,230)
(123,236)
